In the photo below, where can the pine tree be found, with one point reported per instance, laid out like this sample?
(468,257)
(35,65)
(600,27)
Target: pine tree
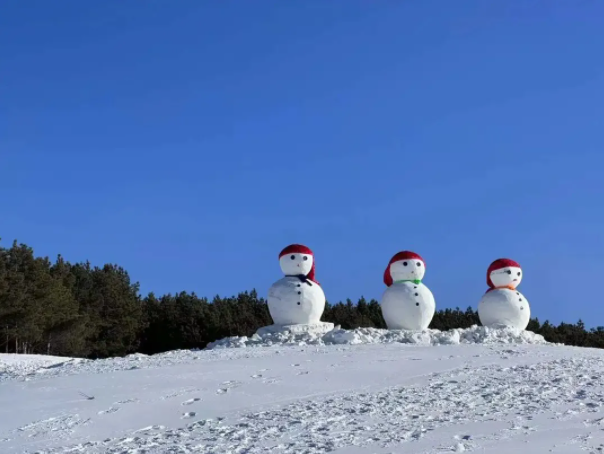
(115,312)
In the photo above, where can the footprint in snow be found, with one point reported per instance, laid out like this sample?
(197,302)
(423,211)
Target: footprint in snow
(594,422)
(126,401)
(228,385)
(189,414)
(191,401)
(460,447)
(304,372)
(180,392)
(110,410)
(257,376)
(150,428)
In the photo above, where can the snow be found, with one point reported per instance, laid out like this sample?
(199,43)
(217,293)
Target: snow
(296,298)
(363,391)
(291,301)
(504,307)
(20,365)
(293,336)
(315,328)
(407,305)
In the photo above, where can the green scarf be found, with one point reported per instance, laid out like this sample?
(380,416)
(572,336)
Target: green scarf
(415,281)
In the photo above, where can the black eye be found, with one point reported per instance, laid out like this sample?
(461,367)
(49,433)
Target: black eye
(293,257)
(419,263)
(305,257)
(404,263)
(518,273)
(509,272)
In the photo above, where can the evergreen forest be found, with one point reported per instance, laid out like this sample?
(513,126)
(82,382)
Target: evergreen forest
(77,309)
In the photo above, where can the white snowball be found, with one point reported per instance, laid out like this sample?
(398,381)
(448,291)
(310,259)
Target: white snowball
(296,263)
(406,305)
(505,277)
(412,269)
(292,302)
(504,307)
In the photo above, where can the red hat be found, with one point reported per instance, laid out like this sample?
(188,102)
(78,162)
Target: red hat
(403,255)
(497,265)
(300,249)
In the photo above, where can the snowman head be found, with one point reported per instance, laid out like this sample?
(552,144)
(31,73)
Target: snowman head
(404,266)
(297,259)
(504,273)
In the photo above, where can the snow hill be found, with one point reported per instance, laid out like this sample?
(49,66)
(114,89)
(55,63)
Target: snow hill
(364,391)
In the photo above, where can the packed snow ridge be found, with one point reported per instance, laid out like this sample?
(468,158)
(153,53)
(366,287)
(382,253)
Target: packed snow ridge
(294,335)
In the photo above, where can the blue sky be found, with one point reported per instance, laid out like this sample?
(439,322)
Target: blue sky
(190,141)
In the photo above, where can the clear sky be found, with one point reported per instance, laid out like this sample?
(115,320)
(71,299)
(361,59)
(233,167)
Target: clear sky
(190,141)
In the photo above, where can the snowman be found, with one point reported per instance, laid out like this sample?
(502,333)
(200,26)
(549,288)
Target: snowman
(407,303)
(296,302)
(503,305)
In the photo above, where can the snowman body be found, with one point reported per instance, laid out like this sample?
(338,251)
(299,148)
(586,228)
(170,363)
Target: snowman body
(407,305)
(295,302)
(502,307)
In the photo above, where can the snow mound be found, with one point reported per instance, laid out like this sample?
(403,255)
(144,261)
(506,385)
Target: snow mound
(310,328)
(474,335)
(13,364)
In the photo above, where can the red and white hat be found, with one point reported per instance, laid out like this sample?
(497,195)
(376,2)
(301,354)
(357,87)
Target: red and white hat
(403,255)
(497,265)
(301,249)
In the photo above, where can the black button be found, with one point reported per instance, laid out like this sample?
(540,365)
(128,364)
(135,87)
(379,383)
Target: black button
(298,285)
(299,293)
(299,303)
(417,304)
(519,299)
(417,294)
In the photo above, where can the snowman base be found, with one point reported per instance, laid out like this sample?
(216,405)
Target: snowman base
(503,327)
(313,328)
(504,307)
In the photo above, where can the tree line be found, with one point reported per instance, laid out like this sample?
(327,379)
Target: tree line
(66,309)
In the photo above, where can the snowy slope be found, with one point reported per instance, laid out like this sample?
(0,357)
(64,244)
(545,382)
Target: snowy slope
(368,397)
